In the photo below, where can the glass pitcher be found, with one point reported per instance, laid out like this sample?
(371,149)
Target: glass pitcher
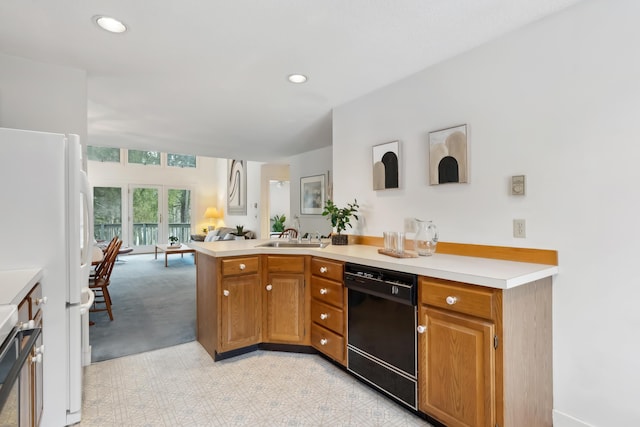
(426,237)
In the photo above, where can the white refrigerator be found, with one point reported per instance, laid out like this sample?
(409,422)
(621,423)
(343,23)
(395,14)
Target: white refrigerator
(46,219)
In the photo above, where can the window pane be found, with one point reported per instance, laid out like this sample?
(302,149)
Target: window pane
(144,157)
(145,216)
(181,160)
(179,214)
(107,212)
(103,154)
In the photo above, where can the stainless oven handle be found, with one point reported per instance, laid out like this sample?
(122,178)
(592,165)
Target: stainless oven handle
(14,372)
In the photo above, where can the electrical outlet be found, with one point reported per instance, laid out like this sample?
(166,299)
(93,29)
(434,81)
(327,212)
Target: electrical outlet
(409,225)
(519,228)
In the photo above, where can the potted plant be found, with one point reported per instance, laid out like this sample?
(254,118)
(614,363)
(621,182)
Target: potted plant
(239,233)
(173,241)
(340,218)
(278,223)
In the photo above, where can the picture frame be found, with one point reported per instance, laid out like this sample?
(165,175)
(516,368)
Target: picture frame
(448,156)
(386,165)
(312,195)
(236,187)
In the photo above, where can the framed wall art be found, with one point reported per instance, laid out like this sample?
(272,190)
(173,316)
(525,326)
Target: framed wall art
(386,165)
(448,155)
(236,187)
(312,195)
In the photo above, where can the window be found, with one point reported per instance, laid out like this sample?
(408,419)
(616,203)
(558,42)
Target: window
(181,160)
(144,157)
(179,212)
(107,212)
(103,154)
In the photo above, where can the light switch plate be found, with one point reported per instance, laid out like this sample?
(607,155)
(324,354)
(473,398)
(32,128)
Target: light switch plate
(517,185)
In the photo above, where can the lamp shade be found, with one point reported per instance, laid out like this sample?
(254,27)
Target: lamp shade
(212,213)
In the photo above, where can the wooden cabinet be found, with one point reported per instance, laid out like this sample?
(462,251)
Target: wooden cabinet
(240,303)
(469,336)
(31,391)
(284,302)
(328,309)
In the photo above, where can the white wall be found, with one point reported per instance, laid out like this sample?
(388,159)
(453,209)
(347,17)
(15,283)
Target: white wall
(316,162)
(280,200)
(42,97)
(559,102)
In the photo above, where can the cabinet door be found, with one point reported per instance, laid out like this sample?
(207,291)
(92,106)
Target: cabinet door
(285,308)
(456,368)
(240,312)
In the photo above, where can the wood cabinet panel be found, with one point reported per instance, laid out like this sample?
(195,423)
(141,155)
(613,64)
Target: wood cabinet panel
(328,269)
(328,342)
(207,311)
(284,304)
(240,312)
(457,375)
(467,299)
(328,316)
(243,265)
(284,263)
(327,291)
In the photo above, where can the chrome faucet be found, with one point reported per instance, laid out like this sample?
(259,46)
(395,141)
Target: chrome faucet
(297,227)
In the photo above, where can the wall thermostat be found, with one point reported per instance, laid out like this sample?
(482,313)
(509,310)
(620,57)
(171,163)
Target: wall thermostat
(517,185)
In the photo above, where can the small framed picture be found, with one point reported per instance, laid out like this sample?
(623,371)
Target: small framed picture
(385,165)
(312,195)
(448,156)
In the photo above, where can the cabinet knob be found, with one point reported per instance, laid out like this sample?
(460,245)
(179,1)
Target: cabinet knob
(242,266)
(324,316)
(28,325)
(37,358)
(323,269)
(269,287)
(451,300)
(225,293)
(323,291)
(421,329)
(324,341)
(42,301)
(40,350)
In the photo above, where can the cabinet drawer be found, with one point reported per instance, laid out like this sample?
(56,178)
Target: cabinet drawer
(35,299)
(327,269)
(293,264)
(235,266)
(328,316)
(327,342)
(467,299)
(327,291)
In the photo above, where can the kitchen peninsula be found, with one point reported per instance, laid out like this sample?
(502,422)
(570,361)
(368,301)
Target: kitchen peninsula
(483,325)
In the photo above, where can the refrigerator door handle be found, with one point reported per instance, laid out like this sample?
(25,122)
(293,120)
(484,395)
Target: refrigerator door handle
(84,307)
(85,189)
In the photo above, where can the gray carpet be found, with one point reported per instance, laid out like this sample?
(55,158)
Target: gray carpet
(153,307)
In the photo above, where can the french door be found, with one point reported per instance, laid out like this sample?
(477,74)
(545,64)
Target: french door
(157,212)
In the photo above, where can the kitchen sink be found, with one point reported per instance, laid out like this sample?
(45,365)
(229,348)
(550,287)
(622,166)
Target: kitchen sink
(293,244)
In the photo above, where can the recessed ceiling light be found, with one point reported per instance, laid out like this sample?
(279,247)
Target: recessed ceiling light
(110,24)
(297,78)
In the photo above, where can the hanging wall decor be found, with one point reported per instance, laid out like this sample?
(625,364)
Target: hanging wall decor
(236,187)
(448,155)
(312,195)
(386,165)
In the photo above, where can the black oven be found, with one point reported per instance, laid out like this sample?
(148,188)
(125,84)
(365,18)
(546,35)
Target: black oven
(13,357)
(381,340)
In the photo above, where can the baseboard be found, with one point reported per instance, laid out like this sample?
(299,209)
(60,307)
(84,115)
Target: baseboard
(561,419)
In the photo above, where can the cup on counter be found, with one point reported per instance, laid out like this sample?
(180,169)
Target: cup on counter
(400,243)
(389,241)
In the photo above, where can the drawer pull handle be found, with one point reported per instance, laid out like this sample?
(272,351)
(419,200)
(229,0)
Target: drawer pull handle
(323,269)
(242,266)
(451,300)
(42,301)
(323,291)
(225,293)
(324,316)
(422,329)
(324,341)
(269,287)
(37,358)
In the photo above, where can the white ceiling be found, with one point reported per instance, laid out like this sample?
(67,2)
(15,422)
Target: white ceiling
(209,77)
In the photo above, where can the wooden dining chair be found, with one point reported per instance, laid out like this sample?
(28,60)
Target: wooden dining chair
(99,284)
(288,233)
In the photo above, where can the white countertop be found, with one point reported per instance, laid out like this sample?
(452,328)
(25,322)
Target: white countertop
(478,271)
(15,284)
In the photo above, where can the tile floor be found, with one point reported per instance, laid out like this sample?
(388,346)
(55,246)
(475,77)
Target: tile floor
(182,386)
